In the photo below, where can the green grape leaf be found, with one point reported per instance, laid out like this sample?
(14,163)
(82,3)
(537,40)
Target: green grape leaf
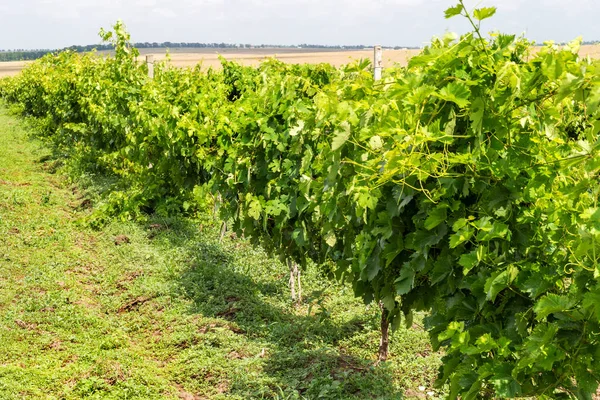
(453,11)
(482,13)
(551,304)
(477,113)
(404,283)
(506,386)
(464,234)
(341,136)
(591,300)
(297,129)
(455,92)
(375,143)
(330,239)
(436,216)
(468,261)
(499,281)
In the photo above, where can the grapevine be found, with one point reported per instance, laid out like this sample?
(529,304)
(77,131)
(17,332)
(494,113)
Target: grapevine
(464,185)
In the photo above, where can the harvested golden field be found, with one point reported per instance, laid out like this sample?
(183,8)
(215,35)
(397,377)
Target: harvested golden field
(336,58)
(210,57)
(11,68)
(591,50)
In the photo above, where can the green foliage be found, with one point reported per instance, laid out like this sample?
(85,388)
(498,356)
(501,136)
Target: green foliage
(483,13)
(172,313)
(465,184)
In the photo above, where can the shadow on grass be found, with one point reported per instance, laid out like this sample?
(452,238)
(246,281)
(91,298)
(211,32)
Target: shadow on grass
(235,282)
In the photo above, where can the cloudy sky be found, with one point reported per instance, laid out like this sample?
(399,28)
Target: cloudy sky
(59,23)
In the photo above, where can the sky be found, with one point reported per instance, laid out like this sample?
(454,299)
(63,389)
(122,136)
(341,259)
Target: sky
(51,24)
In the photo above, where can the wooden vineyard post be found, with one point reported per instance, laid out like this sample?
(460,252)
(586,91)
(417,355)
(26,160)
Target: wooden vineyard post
(295,285)
(377,63)
(384,343)
(292,282)
(150,64)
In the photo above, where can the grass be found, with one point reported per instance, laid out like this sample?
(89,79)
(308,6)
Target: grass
(164,310)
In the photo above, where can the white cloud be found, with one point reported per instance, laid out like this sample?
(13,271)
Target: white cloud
(56,9)
(164,12)
(57,23)
(146,3)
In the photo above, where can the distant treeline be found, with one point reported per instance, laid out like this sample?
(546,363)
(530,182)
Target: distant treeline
(25,55)
(22,55)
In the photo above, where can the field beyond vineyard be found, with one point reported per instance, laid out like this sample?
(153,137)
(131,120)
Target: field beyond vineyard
(185,58)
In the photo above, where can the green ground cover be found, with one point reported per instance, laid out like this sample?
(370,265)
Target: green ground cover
(163,309)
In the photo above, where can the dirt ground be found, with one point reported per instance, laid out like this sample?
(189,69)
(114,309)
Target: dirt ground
(210,57)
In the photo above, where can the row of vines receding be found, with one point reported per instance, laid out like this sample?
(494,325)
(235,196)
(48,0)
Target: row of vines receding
(465,184)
